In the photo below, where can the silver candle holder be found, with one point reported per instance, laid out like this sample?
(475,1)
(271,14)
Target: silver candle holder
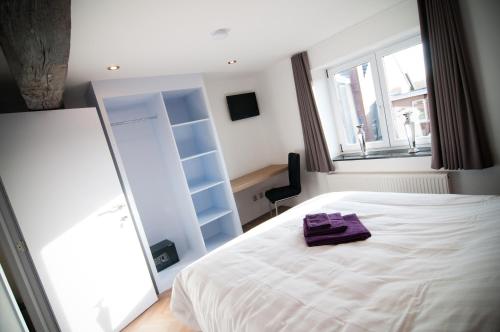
(361,139)
(410,132)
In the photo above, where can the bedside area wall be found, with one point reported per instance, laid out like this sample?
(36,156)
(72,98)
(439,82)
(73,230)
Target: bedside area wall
(248,144)
(277,96)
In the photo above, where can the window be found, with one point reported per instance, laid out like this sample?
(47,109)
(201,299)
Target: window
(376,90)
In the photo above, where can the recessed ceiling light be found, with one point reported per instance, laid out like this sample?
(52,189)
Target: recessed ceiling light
(231,62)
(219,34)
(113,67)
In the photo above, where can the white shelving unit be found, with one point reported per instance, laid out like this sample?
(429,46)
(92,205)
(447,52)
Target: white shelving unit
(199,153)
(168,155)
(218,232)
(193,140)
(210,204)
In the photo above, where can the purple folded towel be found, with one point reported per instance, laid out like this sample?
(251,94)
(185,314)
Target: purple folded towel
(356,231)
(332,225)
(317,221)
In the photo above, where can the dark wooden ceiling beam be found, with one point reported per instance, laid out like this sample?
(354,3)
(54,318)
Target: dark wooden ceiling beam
(35,39)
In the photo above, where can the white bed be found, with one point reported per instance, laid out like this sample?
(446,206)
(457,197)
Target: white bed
(432,264)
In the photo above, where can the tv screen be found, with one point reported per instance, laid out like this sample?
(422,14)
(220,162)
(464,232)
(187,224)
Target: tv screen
(242,106)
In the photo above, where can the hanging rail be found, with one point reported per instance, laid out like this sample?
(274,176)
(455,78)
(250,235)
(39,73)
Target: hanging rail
(119,123)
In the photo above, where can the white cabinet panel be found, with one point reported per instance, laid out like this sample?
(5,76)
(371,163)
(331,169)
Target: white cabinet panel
(65,193)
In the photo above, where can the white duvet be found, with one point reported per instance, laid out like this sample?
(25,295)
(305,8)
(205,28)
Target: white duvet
(432,264)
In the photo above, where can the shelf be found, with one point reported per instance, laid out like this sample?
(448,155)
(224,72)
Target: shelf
(185,105)
(217,240)
(203,185)
(211,204)
(188,123)
(202,173)
(194,139)
(211,214)
(199,155)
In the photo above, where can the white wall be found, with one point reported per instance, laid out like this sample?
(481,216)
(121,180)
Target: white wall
(278,92)
(253,143)
(360,38)
(247,144)
(482,27)
(278,97)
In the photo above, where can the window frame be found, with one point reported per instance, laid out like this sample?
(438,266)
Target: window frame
(379,55)
(346,146)
(387,122)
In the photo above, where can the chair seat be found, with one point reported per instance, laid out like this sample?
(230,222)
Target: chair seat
(277,194)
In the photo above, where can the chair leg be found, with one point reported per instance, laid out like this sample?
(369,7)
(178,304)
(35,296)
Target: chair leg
(280,200)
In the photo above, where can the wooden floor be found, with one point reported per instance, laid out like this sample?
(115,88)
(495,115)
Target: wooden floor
(259,220)
(159,318)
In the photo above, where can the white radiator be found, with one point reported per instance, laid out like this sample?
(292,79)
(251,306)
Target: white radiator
(431,183)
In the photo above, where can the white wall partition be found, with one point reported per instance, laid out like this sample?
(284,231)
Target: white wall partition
(168,154)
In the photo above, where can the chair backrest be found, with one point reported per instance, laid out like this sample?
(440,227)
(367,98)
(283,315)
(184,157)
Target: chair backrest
(294,170)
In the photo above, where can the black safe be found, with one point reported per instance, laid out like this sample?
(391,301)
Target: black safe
(164,254)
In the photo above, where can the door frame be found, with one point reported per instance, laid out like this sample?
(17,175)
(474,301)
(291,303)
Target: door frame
(6,290)
(23,269)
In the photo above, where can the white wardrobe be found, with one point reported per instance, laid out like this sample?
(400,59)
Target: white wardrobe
(172,170)
(65,195)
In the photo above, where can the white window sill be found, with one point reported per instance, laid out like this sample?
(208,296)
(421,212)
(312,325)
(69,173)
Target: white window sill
(384,154)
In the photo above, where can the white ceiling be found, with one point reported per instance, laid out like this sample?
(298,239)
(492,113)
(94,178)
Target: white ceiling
(160,37)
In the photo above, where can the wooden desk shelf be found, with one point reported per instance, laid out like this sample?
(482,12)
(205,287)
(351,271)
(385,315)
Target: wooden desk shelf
(258,176)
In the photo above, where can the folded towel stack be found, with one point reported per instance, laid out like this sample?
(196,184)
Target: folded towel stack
(323,224)
(321,229)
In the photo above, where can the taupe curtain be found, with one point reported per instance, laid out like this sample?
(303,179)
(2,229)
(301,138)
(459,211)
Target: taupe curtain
(316,150)
(458,138)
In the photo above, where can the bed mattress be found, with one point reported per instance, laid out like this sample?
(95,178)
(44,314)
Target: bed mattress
(431,264)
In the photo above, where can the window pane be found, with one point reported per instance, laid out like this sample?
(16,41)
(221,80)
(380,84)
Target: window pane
(358,102)
(406,85)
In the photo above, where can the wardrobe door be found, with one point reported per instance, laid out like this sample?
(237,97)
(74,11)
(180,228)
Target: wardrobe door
(65,193)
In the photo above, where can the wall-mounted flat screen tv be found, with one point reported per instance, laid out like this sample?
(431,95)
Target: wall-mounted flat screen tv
(242,106)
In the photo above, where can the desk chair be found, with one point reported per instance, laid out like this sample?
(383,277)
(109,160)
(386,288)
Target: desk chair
(277,195)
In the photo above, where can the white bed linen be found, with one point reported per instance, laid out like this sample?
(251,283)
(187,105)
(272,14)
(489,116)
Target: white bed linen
(432,264)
